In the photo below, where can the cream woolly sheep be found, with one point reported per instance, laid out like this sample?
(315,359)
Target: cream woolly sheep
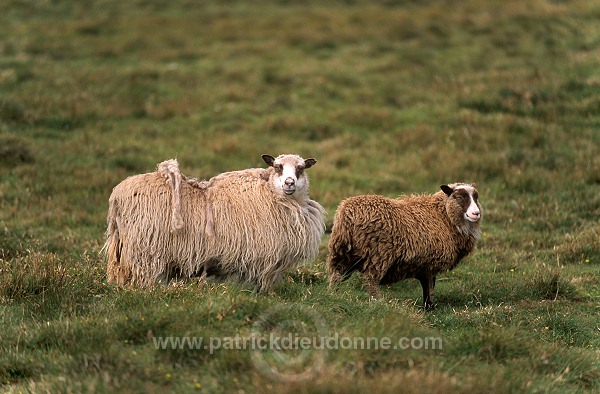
(251,224)
(409,237)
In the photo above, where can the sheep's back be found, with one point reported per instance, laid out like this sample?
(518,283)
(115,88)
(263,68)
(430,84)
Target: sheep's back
(252,221)
(409,230)
(141,197)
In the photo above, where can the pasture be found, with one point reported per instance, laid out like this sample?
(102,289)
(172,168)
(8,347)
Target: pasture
(391,97)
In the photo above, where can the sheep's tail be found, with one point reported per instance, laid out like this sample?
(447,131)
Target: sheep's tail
(170,170)
(340,257)
(112,249)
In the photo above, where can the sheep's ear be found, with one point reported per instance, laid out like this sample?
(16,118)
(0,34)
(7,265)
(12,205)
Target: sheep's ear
(268,159)
(446,189)
(309,162)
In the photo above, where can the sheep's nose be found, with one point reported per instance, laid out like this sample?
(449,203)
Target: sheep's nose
(289,182)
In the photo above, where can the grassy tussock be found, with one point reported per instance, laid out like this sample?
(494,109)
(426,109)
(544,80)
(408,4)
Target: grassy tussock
(14,151)
(35,275)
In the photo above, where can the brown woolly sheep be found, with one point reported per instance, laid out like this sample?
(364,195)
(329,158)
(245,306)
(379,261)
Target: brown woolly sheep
(388,240)
(252,224)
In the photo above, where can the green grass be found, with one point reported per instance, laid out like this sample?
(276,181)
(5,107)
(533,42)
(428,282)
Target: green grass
(391,98)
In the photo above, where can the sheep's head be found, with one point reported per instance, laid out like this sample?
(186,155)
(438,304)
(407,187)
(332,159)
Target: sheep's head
(462,205)
(288,176)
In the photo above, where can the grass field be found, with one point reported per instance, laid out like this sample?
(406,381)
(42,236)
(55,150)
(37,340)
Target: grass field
(391,97)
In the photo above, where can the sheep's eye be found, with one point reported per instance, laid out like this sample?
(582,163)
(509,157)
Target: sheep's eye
(278,167)
(299,171)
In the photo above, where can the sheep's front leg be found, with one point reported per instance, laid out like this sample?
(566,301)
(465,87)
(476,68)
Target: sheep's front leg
(428,283)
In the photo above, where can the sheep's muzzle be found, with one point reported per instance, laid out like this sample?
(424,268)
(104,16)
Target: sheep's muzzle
(289,186)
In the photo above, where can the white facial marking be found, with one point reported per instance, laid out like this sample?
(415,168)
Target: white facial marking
(470,189)
(288,179)
(473,214)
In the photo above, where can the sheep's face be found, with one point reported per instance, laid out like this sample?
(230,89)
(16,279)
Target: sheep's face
(463,200)
(289,177)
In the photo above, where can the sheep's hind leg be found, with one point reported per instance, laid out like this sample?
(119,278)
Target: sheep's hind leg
(336,276)
(371,280)
(335,264)
(203,281)
(375,270)
(428,284)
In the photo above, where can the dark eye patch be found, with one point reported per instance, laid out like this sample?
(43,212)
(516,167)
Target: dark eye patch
(299,171)
(278,168)
(462,198)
